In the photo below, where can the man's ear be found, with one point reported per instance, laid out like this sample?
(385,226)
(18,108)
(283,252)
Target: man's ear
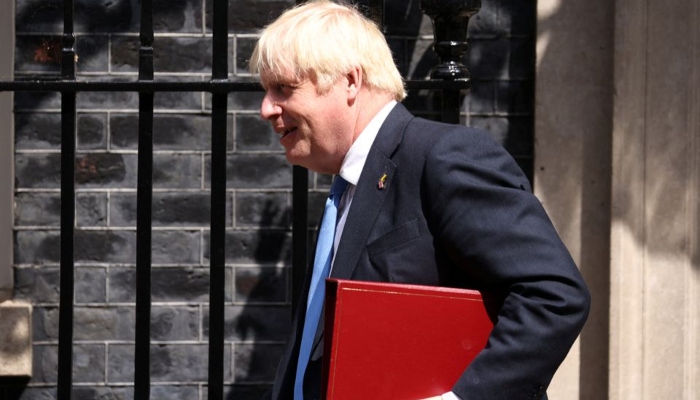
(354,83)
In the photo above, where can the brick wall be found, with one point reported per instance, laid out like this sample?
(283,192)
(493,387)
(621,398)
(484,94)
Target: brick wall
(258,236)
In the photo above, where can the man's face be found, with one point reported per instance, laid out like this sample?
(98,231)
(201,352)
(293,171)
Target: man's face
(316,129)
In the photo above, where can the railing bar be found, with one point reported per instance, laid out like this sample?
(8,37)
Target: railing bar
(450,106)
(220,51)
(65,332)
(300,223)
(144,211)
(217,276)
(217,250)
(67,264)
(154,86)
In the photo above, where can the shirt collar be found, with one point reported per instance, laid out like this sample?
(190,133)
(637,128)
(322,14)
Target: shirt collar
(354,160)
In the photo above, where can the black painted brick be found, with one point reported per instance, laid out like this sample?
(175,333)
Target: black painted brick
(94,170)
(168,284)
(37,100)
(169,209)
(244,48)
(38,54)
(37,284)
(88,363)
(108,100)
(173,284)
(256,171)
(263,209)
(183,16)
(177,100)
(170,132)
(105,15)
(90,285)
(91,209)
(36,247)
(263,246)
(176,247)
(250,322)
(242,101)
(45,323)
(169,54)
(175,323)
(261,284)
(90,15)
(92,131)
(255,134)
(256,362)
(38,16)
(37,209)
(37,131)
(102,392)
(37,170)
(177,171)
(169,363)
(104,323)
(178,392)
(91,54)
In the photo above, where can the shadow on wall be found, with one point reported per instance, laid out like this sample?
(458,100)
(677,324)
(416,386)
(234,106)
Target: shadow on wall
(587,195)
(266,314)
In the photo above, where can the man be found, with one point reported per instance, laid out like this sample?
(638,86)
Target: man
(426,203)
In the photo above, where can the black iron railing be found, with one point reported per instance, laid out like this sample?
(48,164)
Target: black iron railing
(450,20)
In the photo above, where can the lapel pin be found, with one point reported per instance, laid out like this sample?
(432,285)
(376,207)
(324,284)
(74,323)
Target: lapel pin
(381,183)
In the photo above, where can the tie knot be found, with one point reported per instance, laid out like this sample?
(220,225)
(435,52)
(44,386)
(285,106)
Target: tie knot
(338,186)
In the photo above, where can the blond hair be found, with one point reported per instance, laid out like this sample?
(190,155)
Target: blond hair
(324,41)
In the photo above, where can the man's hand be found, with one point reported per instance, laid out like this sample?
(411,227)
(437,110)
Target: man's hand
(445,396)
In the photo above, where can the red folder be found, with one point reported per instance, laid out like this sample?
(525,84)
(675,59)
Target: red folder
(395,341)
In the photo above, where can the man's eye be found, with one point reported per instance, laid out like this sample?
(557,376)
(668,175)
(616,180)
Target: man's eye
(284,87)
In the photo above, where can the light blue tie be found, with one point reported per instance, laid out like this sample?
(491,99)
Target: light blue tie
(317,291)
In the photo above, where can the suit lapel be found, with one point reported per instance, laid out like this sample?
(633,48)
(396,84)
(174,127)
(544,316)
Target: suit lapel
(369,196)
(366,204)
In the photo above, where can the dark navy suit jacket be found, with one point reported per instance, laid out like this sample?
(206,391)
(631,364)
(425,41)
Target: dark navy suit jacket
(457,211)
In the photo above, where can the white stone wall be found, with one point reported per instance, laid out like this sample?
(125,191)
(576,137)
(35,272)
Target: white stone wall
(617,165)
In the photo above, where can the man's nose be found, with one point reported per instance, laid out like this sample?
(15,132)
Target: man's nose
(269,109)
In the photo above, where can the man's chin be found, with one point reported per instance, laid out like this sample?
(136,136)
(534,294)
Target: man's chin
(296,160)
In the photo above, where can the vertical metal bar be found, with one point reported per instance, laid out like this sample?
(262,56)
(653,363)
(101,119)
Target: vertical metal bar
(300,196)
(300,223)
(68,118)
(450,106)
(144,197)
(217,276)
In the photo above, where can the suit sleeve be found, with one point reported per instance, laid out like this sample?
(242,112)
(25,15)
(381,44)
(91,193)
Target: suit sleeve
(491,227)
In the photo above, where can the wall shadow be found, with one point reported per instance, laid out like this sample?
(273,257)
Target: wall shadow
(585,128)
(270,290)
